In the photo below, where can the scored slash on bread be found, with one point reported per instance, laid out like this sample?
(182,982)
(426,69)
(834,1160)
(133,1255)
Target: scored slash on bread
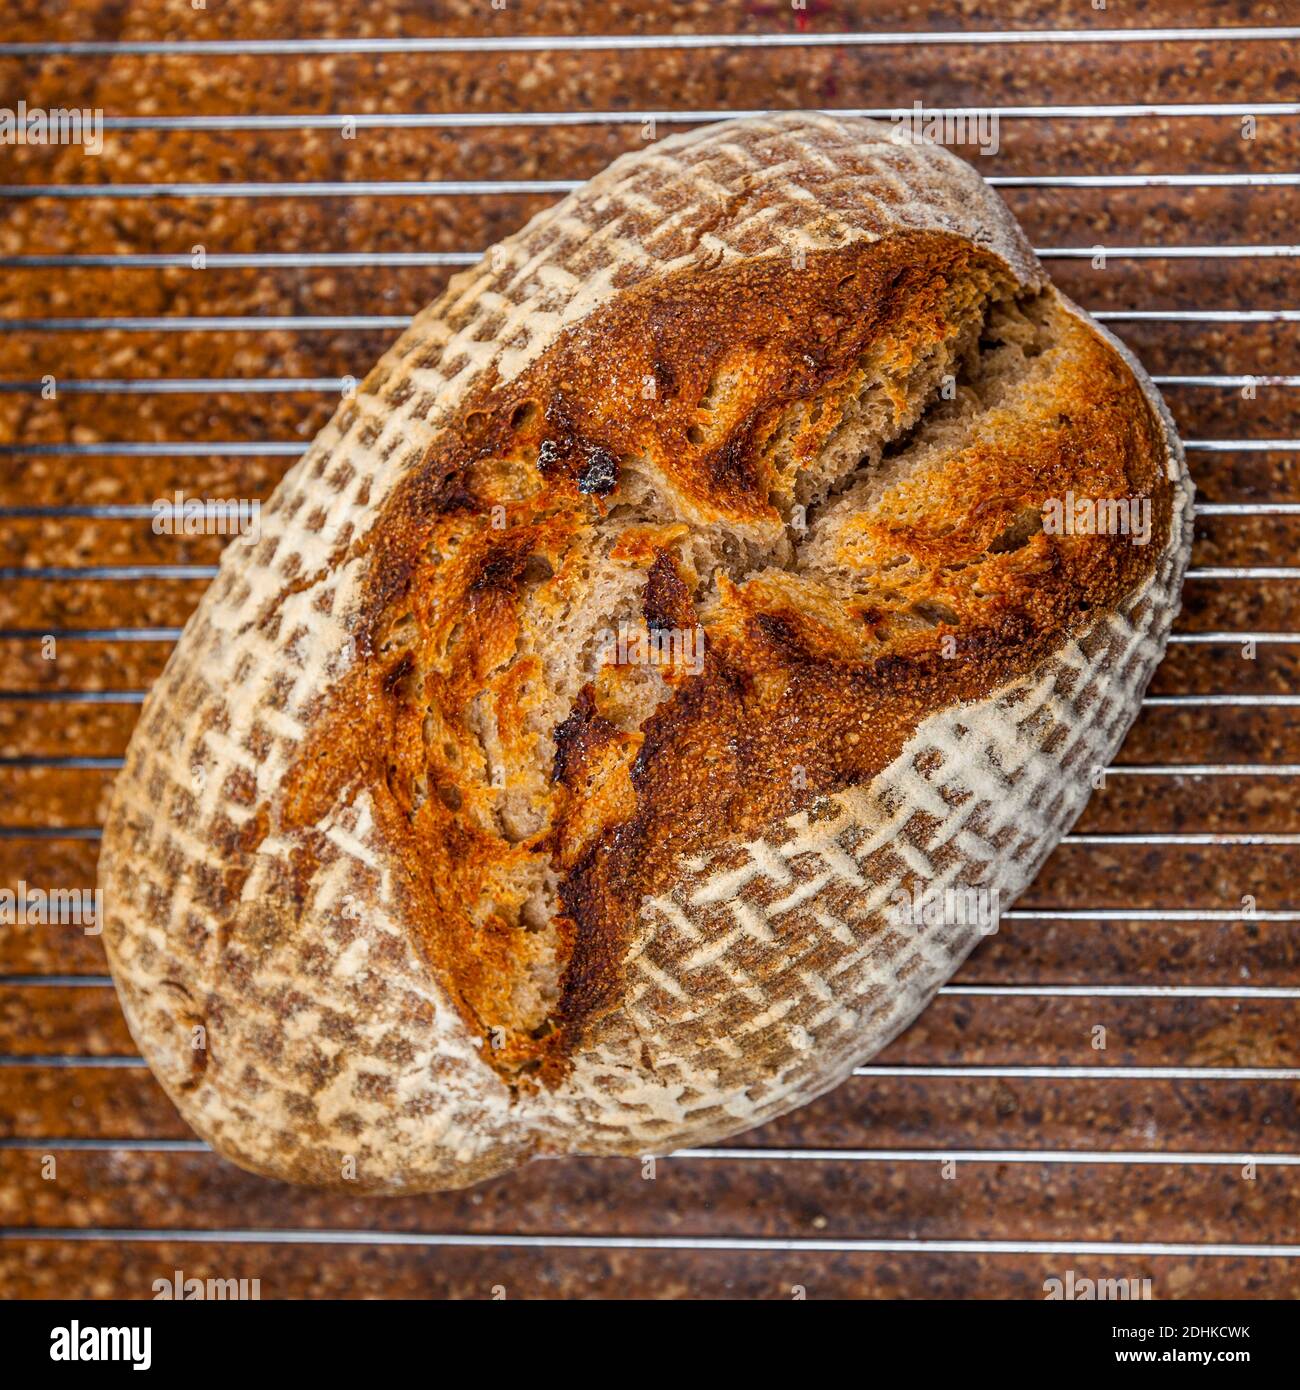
(672,595)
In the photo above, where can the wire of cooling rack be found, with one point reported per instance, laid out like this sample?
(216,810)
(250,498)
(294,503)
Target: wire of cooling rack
(40,567)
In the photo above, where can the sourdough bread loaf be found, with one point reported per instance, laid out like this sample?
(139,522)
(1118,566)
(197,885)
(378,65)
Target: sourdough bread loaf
(670,622)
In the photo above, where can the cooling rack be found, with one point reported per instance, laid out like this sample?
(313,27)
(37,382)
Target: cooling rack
(1111,1085)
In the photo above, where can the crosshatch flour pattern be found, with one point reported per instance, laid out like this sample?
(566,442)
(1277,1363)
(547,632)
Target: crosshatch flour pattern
(329,1052)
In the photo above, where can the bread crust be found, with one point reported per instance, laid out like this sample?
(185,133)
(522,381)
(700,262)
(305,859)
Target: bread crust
(441,889)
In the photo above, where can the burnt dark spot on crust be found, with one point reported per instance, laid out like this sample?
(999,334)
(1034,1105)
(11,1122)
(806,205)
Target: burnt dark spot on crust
(452,495)
(780,634)
(582,733)
(732,465)
(502,567)
(666,601)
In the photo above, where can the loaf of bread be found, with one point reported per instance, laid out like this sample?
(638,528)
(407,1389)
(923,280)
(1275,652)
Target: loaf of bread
(644,693)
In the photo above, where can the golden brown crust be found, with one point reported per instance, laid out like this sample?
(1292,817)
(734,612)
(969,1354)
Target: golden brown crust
(803,690)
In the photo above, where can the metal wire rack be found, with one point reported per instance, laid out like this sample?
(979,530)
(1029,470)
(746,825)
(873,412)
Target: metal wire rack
(1197,850)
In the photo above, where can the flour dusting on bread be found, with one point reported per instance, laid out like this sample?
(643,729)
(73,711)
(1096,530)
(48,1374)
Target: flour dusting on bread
(673,594)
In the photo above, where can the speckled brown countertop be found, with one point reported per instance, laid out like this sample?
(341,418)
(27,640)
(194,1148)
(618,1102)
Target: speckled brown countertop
(1234,1057)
